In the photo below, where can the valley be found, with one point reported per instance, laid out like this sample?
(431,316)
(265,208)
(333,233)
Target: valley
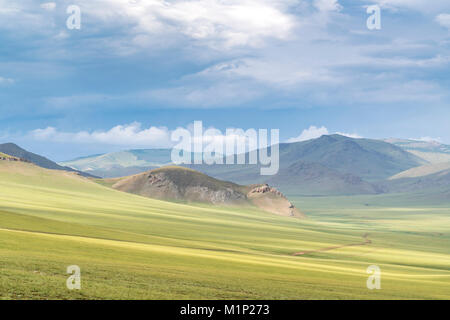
(133,247)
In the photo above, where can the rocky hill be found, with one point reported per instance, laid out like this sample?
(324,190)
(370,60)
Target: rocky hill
(187,185)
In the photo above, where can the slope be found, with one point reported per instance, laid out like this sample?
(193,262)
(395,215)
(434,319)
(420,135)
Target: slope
(131,247)
(430,151)
(15,151)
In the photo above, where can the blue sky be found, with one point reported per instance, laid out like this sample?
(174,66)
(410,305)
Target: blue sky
(138,69)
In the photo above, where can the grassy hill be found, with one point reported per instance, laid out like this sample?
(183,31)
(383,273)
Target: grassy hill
(7,156)
(132,247)
(16,151)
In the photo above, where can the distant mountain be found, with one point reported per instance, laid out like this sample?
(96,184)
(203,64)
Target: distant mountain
(372,160)
(426,178)
(123,163)
(16,151)
(328,165)
(430,151)
(315,179)
(422,171)
(187,185)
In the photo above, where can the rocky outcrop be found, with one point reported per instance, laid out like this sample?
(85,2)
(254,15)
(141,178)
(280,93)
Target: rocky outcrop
(9,158)
(272,200)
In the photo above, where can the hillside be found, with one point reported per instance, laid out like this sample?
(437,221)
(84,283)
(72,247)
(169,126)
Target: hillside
(330,165)
(422,171)
(120,164)
(369,159)
(4,156)
(305,178)
(187,185)
(15,151)
(427,179)
(430,151)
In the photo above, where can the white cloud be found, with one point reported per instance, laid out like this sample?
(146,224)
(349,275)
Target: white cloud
(133,135)
(122,135)
(216,94)
(350,135)
(429,139)
(312,132)
(444,20)
(49,6)
(422,5)
(217,23)
(6,81)
(327,5)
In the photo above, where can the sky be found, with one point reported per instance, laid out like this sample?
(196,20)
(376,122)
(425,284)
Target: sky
(136,70)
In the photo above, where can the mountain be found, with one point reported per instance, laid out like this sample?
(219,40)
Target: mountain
(434,183)
(422,171)
(329,165)
(430,151)
(187,185)
(14,150)
(123,163)
(369,159)
(308,178)
(432,178)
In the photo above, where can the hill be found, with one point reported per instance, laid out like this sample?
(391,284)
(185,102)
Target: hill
(16,151)
(422,171)
(4,156)
(434,180)
(123,163)
(187,185)
(430,151)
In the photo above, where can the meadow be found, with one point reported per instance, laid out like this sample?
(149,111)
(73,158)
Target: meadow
(131,247)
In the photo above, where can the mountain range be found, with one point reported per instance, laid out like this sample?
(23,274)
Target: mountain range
(329,165)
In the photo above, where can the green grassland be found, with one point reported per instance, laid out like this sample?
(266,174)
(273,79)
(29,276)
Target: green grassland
(131,247)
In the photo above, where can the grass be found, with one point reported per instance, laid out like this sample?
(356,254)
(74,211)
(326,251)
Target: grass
(130,247)
(4,155)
